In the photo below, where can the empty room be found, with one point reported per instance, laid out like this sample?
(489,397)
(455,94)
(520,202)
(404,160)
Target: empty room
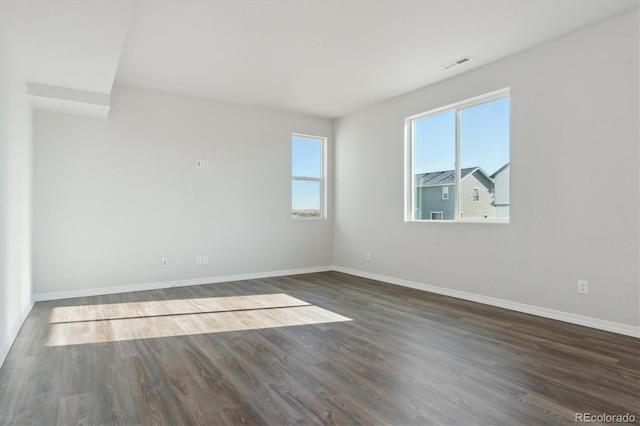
(319,212)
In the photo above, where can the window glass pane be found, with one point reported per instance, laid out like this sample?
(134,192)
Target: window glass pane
(306,154)
(434,139)
(305,199)
(484,158)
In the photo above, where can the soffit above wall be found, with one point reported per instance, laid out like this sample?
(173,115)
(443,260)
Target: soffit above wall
(72,45)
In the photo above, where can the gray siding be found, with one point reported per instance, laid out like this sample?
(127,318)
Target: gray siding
(429,199)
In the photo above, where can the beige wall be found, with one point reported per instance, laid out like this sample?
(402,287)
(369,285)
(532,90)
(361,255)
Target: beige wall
(471,208)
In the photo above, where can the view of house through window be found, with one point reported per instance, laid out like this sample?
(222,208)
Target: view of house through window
(458,163)
(307,185)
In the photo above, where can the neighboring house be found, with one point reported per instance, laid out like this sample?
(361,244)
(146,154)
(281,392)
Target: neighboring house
(501,185)
(435,195)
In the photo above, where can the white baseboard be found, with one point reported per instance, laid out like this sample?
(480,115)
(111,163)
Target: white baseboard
(599,324)
(596,323)
(6,346)
(39,297)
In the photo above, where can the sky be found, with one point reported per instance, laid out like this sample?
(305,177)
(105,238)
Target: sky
(484,138)
(306,155)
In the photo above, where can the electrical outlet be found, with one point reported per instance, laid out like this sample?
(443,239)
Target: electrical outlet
(583,287)
(205,164)
(198,164)
(368,255)
(199,260)
(165,262)
(205,260)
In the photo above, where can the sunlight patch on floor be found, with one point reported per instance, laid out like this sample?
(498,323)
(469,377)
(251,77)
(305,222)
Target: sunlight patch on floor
(171,307)
(77,325)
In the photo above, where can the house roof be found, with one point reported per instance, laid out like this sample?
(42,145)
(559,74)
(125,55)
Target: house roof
(493,176)
(443,178)
(447,177)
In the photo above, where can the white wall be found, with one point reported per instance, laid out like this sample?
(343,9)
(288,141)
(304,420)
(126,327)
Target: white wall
(574,183)
(15,196)
(113,197)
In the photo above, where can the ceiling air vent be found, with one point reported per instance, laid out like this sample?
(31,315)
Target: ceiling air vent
(456,62)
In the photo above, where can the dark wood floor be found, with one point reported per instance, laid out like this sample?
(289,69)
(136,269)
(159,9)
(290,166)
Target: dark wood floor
(406,358)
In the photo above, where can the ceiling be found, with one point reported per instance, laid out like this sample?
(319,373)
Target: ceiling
(320,57)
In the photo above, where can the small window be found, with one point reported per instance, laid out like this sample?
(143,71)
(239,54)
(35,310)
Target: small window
(476,194)
(436,215)
(445,192)
(307,177)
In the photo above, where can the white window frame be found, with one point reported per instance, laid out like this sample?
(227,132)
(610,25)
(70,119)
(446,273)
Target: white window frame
(476,193)
(445,192)
(436,213)
(409,151)
(321,179)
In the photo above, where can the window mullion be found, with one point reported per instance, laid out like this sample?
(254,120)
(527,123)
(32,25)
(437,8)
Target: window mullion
(458,186)
(413,172)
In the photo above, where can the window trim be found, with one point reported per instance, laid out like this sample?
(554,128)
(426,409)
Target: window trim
(409,155)
(321,179)
(445,191)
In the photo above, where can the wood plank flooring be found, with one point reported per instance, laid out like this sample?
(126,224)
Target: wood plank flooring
(370,353)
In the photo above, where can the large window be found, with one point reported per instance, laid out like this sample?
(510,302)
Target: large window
(458,161)
(307,177)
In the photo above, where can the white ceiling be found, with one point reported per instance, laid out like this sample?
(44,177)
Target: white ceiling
(326,58)
(68,44)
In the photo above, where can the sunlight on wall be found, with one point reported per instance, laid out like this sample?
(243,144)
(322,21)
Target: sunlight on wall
(74,325)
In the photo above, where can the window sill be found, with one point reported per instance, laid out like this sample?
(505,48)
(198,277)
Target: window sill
(467,220)
(306,218)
